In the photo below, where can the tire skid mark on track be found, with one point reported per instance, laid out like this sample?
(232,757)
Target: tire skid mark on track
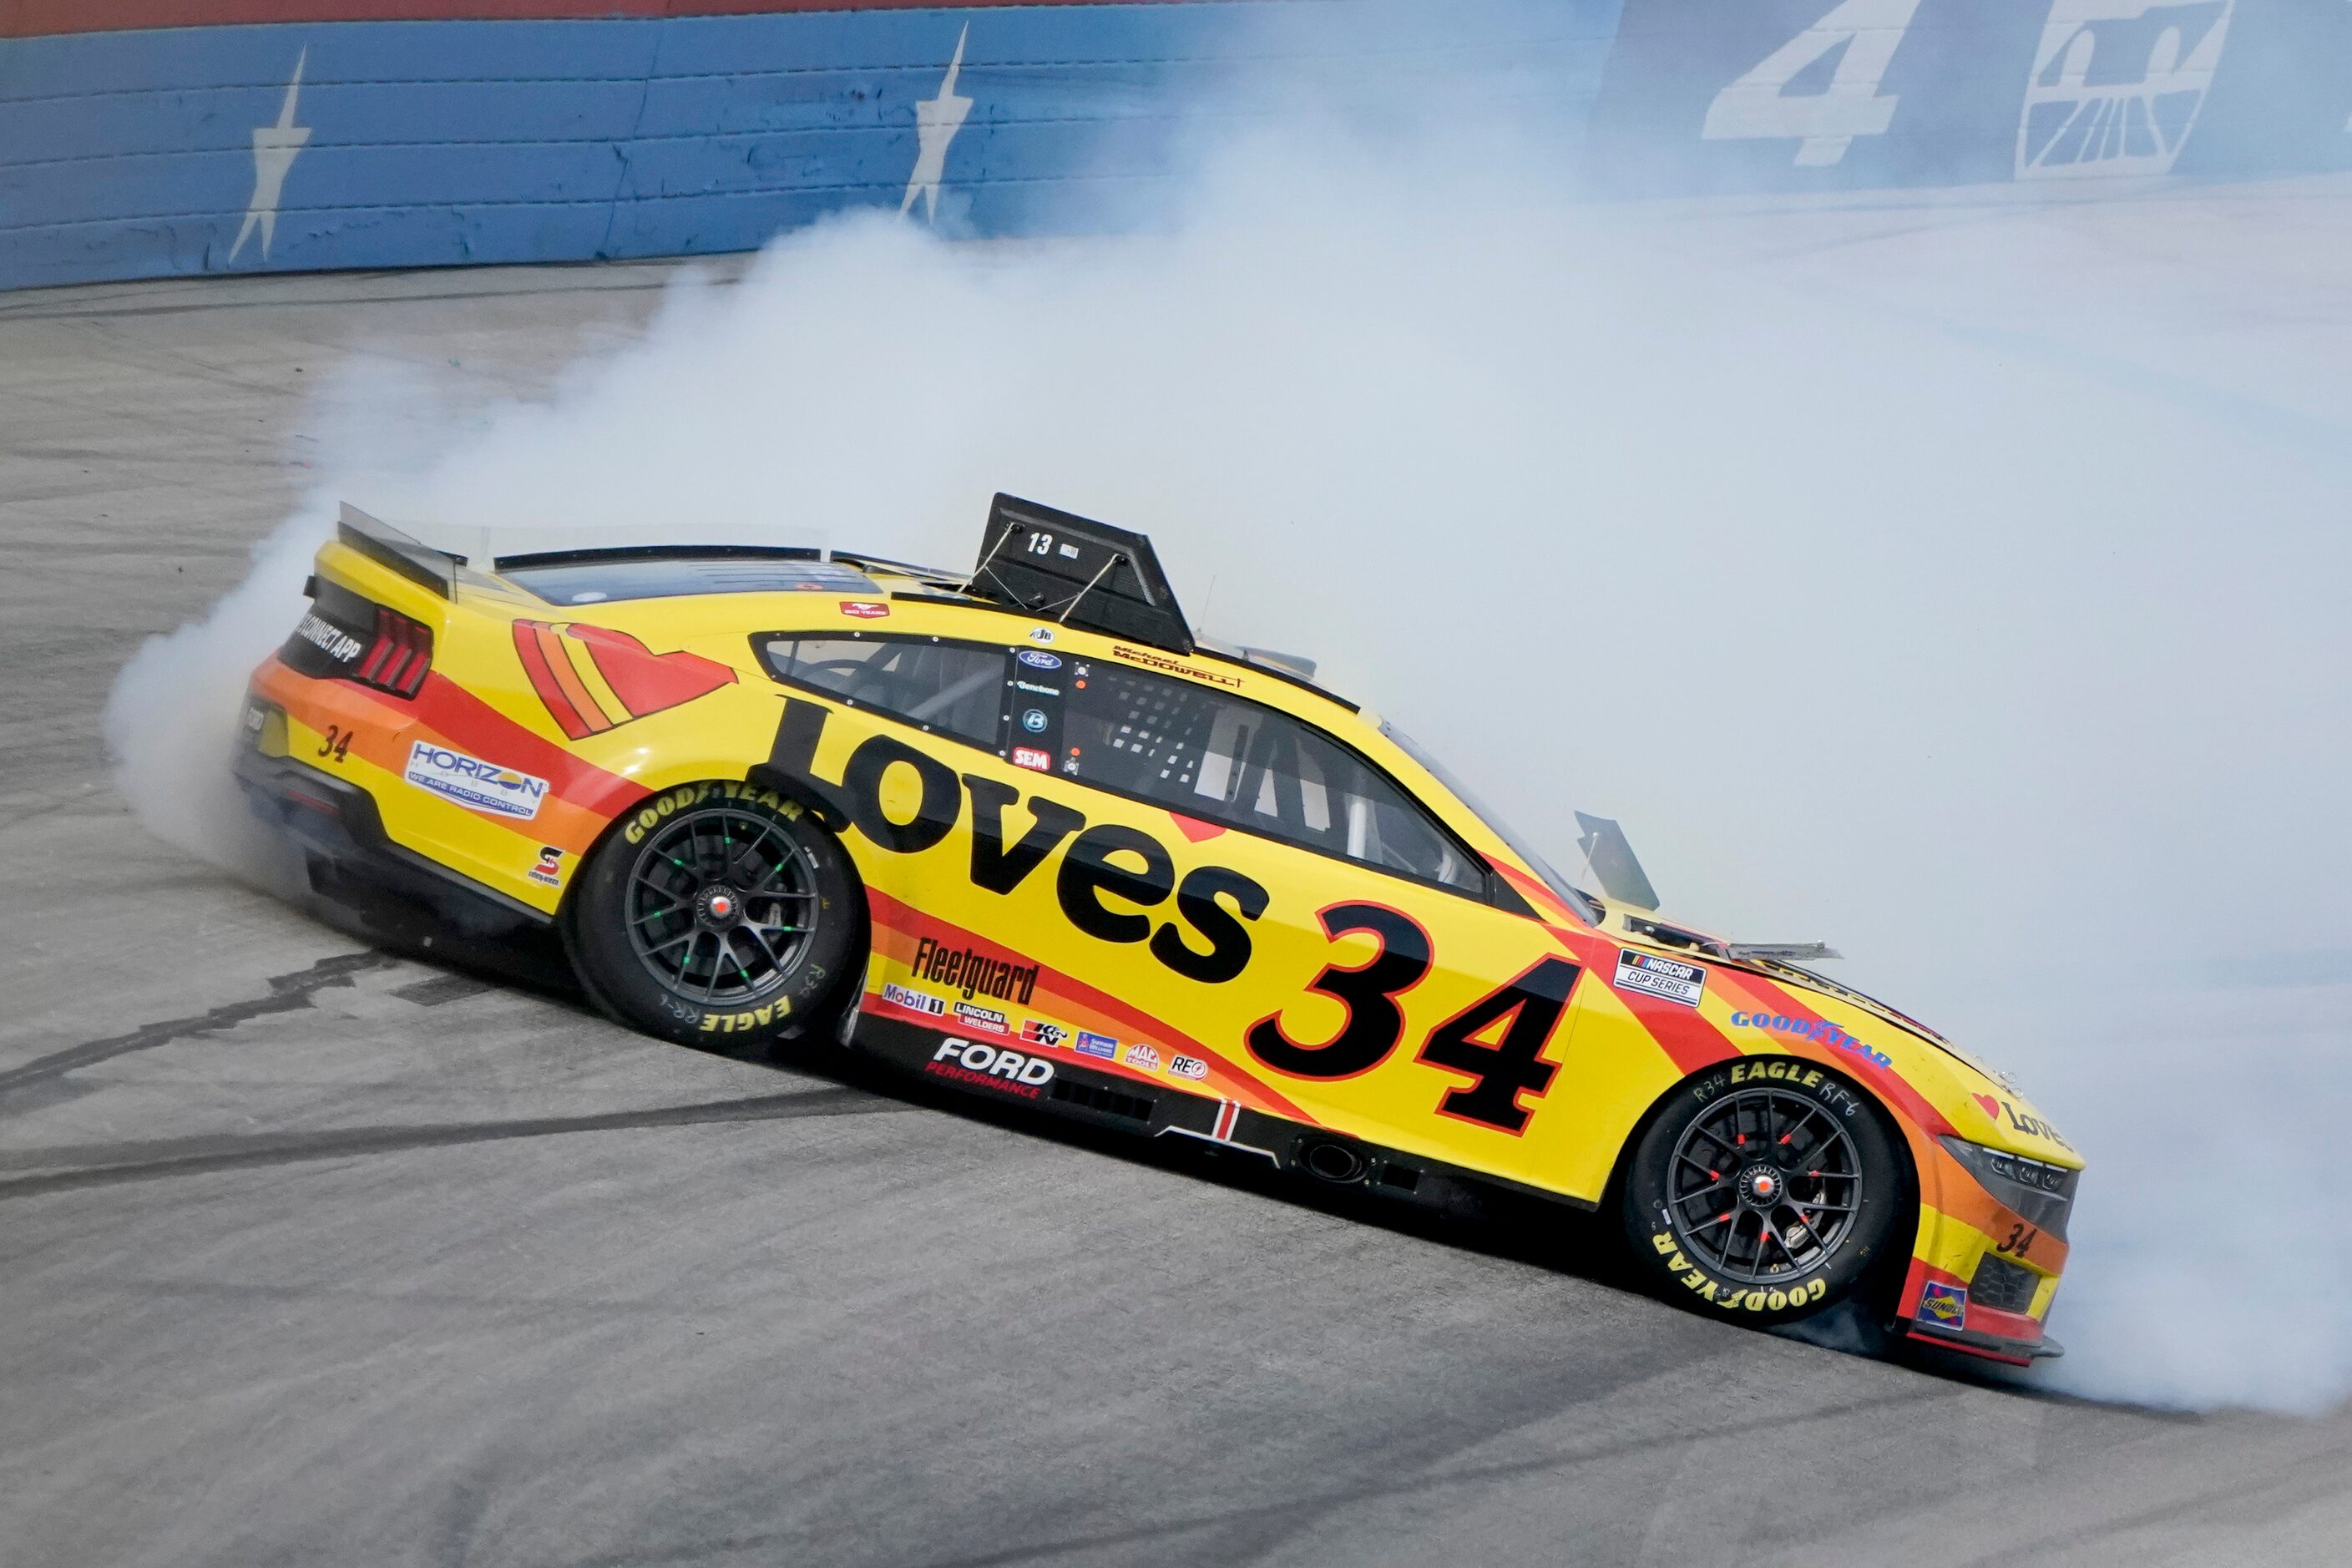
(33,310)
(201,1156)
(288,993)
(1285,1518)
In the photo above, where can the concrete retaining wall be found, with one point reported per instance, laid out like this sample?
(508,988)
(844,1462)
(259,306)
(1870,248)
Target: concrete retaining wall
(142,138)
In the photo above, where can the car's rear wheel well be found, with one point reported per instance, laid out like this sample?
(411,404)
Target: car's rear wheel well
(839,883)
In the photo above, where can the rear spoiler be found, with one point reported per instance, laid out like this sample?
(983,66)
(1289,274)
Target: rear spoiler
(491,549)
(387,546)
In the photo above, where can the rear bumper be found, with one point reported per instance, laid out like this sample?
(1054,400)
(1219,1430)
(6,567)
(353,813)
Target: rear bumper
(354,861)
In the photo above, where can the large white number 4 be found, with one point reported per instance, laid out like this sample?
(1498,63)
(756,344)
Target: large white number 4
(1758,105)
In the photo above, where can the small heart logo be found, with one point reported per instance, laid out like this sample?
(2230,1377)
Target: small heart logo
(1991,1105)
(1193,828)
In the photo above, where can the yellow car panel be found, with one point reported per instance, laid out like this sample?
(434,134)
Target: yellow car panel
(1490,1026)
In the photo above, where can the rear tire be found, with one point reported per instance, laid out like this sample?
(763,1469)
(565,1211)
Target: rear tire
(715,913)
(1769,1198)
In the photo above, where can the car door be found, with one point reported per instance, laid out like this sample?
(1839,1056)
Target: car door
(1116,860)
(1390,990)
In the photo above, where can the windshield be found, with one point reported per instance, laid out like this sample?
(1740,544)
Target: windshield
(1575,898)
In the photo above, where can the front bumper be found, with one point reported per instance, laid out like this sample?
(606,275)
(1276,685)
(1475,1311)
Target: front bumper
(1964,1294)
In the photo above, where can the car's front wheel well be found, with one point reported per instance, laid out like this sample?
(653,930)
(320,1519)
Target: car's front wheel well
(1879,1284)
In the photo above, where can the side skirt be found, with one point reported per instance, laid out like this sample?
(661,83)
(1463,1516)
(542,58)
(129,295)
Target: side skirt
(1155,1109)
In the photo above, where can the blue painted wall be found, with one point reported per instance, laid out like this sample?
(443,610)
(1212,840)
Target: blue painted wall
(140,153)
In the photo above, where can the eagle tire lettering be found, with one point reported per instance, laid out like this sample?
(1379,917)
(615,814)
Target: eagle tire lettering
(593,924)
(1673,1257)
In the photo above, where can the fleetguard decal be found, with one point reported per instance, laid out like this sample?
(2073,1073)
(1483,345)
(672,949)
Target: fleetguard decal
(894,927)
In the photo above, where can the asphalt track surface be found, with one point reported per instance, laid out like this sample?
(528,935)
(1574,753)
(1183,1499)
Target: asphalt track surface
(311,1252)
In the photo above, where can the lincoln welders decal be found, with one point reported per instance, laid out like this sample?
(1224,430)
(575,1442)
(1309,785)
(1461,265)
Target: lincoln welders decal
(1207,941)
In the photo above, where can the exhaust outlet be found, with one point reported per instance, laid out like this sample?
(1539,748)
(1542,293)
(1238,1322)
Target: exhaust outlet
(1327,1159)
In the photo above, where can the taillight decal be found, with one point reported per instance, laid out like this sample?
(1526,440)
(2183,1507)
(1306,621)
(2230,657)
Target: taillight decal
(400,656)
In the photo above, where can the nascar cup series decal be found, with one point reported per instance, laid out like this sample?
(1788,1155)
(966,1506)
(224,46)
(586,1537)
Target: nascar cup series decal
(1655,976)
(471,781)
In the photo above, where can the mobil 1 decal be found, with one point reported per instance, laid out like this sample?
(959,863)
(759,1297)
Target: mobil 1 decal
(1497,1043)
(1113,882)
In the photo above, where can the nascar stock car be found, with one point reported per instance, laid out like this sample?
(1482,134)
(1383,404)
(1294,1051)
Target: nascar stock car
(1023,831)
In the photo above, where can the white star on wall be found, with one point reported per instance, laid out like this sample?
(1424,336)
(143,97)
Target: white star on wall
(937,121)
(273,151)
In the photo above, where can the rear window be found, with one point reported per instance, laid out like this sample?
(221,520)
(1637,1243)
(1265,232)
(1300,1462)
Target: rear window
(942,687)
(610,576)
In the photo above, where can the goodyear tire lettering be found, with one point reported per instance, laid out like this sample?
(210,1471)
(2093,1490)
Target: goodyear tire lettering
(649,814)
(1734,1298)
(1778,1069)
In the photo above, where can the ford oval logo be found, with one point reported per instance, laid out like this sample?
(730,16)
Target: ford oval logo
(1035,661)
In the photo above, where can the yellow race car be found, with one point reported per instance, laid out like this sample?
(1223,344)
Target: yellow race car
(1024,832)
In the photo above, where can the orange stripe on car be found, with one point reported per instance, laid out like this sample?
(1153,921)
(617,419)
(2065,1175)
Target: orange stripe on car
(897,919)
(533,655)
(575,691)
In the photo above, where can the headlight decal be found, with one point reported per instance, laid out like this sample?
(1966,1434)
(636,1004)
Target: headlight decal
(2040,1193)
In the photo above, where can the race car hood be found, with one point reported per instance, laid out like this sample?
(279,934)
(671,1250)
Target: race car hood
(1980,1104)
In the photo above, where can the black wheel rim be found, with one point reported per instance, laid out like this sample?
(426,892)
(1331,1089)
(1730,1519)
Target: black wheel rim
(721,904)
(1765,1186)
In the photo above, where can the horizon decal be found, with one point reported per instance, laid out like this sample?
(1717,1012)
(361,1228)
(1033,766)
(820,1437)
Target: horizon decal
(473,783)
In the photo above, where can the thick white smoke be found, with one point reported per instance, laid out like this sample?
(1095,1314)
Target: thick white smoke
(1966,595)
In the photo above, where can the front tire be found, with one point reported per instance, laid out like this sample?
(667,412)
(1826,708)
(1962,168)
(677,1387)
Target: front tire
(1765,1188)
(715,911)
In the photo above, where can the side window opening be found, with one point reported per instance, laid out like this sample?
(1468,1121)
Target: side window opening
(1224,759)
(954,689)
